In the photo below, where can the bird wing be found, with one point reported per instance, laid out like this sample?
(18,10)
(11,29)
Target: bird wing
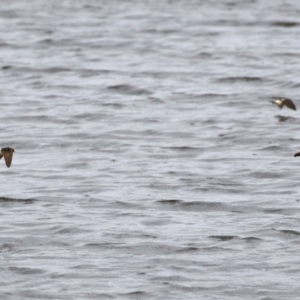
(297,154)
(8,158)
(289,103)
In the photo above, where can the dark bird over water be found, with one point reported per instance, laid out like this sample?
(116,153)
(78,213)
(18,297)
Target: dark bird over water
(284,102)
(297,154)
(7,152)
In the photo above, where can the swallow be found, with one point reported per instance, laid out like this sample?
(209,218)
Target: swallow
(7,152)
(297,154)
(284,102)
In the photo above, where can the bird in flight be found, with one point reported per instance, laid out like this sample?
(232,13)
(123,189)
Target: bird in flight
(297,154)
(7,152)
(284,102)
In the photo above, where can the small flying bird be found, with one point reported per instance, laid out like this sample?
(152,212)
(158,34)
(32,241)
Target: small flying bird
(7,152)
(284,102)
(297,154)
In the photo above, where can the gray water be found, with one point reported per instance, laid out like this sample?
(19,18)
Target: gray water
(149,162)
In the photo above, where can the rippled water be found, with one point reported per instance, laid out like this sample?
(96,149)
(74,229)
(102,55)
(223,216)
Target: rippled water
(149,162)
